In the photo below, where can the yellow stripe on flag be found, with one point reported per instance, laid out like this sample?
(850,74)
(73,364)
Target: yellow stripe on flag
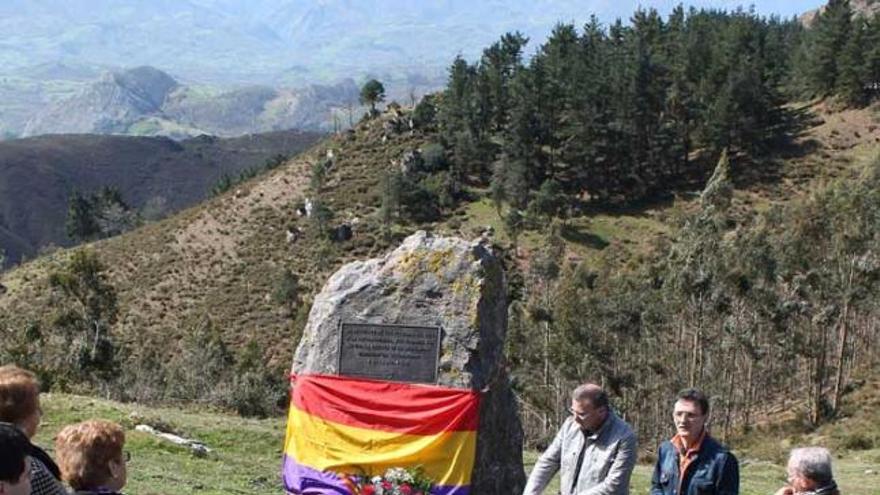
(446,458)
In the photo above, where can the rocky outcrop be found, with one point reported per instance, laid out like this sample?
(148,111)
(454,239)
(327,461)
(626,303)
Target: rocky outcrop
(867,8)
(434,281)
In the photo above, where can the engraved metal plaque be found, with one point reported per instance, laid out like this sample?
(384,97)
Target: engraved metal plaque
(402,353)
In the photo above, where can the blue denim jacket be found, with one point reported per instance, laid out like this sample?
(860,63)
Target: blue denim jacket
(715,471)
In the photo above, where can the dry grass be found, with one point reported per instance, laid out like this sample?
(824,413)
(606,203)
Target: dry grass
(220,260)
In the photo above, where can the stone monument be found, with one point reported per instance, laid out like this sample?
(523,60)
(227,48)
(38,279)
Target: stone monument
(432,311)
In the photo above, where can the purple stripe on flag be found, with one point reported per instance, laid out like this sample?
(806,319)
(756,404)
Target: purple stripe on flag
(451,490)
(303,480)
(300,479)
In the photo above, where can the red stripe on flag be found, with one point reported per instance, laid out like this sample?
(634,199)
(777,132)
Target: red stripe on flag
(387,406)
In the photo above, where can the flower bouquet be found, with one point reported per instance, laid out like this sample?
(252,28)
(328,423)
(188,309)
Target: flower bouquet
(396,481)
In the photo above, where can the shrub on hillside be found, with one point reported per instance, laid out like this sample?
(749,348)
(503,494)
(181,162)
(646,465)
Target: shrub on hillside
(857,440)
(257,394)
(418,202)
(286,289)
(320,219)
(424,114)
(257,390)
(319,174)
(99,215)
(434,157)
(200,365)
(410,199)
(441,188)
(274,162)
(85,313)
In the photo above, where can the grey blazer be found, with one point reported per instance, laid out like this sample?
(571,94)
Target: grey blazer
(609,459)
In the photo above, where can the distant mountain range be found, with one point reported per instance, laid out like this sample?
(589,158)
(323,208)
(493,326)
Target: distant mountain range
(269,41)
(38,176)
(218,49)
(145,101)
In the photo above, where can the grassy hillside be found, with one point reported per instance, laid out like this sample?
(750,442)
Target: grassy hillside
(222,263)
(221,260)
(246,453)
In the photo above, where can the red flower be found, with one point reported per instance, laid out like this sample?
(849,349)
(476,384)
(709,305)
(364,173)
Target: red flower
(368,490)
(405,489)
(386,485)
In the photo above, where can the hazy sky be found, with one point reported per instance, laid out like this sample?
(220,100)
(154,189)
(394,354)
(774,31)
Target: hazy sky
(300,40)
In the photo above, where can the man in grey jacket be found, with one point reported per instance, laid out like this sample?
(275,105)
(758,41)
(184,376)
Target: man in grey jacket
(595,451)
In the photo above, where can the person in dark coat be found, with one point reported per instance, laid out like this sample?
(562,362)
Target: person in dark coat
(15,449)
(692,462)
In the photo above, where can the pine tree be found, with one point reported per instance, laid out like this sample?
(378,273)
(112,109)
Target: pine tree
(522,139)
(648,89)
(498,65)
(872,57)
(554,78)
(829,37)
(81,224)
(454,111)
(372,92)
(679,101)
(584,125)
(850,85)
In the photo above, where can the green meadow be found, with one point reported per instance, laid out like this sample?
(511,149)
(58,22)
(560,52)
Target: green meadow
(245,454)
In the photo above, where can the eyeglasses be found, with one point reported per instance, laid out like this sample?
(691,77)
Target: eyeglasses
(579,415)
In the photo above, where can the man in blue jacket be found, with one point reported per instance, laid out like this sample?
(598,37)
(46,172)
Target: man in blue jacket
(692,462)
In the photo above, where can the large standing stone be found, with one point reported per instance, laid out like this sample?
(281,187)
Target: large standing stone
(434,281)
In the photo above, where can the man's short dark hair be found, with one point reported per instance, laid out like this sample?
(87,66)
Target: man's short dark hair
(14,448)
(695,395)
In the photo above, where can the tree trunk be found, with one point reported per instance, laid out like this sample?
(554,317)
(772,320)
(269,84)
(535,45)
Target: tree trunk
(820,376)
(843,336)
(748,393)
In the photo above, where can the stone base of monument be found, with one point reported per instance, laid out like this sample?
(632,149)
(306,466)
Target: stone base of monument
(432,311)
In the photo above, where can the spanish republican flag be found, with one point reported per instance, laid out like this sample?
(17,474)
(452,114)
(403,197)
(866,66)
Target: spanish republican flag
(341,427)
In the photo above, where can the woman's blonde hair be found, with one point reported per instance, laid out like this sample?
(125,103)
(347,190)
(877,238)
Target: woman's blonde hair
(85,450)
(19,394)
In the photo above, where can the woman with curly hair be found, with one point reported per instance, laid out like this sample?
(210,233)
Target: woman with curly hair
(20,406)
(92,458)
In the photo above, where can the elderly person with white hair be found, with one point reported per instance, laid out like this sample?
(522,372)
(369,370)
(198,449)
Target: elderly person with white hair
(809,473)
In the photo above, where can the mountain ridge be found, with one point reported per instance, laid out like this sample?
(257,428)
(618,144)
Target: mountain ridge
(38,175)
(147,101)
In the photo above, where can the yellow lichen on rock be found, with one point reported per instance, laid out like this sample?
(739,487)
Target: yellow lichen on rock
(420,261)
